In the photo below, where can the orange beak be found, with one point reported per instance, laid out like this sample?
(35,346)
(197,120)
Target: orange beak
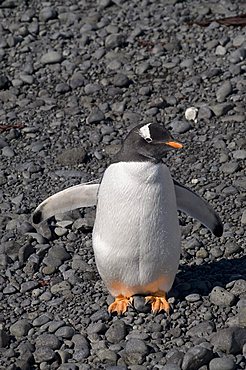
(174,144)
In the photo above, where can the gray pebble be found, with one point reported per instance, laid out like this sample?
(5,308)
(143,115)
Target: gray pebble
(221,297)
(95,116)
(47,13)
(116,332)
(28,285)
(238,55)
(20,328)
(65,332)
(229,340)
(121,80)
(43,354)
(8,152)
(180,126)
(114,40)
(107,356)
(48,340)
(171,367)
(196,357)
(60,287)
(230,167)
(239,154)
(220,50)
(243,218)
(92,88)
(223,363)
(193,297)
(223,91)
(51,57)
(221,109)
(62,88)
(40,320)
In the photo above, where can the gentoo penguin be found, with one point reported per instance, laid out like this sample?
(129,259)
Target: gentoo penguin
(136,235)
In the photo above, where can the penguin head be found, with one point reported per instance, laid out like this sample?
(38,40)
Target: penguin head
(147,142)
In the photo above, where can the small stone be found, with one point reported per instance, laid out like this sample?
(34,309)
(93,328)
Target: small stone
(238,55)
(180,126)
(229,340)
(242,317)
(220,50)
(196,357)
(60,231)
(114,40)
(222,363)
(77,80)
(239,154)
(40,320)
(193,297)
(222,297)
(107,356)
(47,14)
(51,57)
(239,287)
(171,367)
(191,113)
(223,91)
(26,78)
(243,219)
(231,248)
(92,88)
(60,287)
(65,332)
(121,80)
(116,332)
(95,116)
(43,354)
(204,329)
(229,167)
(238,41)
(20,328)
(4,338)
(8,152)
(62,88)
(48,340)
(28,285)
(221,109)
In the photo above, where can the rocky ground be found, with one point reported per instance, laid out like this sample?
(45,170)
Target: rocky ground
(74,76)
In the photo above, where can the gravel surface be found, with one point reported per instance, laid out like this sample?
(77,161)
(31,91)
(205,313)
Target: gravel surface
(74,77)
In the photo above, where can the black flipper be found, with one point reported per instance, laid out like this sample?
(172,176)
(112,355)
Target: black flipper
(196,207)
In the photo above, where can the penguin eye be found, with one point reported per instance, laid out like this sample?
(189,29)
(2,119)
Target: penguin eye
(148,139)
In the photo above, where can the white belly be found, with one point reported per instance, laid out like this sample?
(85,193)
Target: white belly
(136,236)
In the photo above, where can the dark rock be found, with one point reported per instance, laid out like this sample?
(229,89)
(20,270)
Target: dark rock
(116,332)
(49,340)
(196,357)
(229,340)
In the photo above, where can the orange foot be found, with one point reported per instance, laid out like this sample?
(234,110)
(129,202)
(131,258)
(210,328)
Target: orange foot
(120,304)
(158,303)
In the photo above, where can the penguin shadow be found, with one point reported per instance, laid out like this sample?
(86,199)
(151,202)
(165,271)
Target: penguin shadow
(203,278)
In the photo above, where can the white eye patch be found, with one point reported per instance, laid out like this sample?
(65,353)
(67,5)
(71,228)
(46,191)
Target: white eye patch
(145,132)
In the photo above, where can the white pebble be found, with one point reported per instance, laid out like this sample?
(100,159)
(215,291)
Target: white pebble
(191,114)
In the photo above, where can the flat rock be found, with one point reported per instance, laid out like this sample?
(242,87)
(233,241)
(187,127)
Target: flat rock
(51,57)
